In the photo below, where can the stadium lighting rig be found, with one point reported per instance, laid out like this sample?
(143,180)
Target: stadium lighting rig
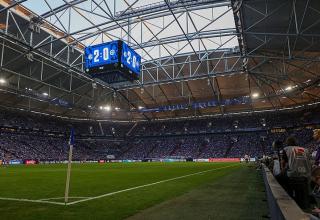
(288,88)
(2,81)
(255,95)
(106,108)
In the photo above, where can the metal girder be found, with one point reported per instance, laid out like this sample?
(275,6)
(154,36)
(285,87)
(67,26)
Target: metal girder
(277,34)
(184,6)
(14,3)
(190,36)
(157,40)
(182,79)
(181,28)
(162,6)
(111,27)
(154,12)
(61,8)
(276,80)
(25,47)
(41,82)
(176,66)
(69,67)
(9,47)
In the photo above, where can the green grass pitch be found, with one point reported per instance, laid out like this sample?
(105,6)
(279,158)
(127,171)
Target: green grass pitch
(230,184)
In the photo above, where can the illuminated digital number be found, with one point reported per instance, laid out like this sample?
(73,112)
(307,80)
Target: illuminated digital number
(96,56)
(129,57)
(106,53)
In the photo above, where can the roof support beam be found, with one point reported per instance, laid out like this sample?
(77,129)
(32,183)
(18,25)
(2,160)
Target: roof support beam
(13,4)
(61,8)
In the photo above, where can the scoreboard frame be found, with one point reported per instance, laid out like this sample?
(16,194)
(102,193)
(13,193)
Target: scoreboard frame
(115,69)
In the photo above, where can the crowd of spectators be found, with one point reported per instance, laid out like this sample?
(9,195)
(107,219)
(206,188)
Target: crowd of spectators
(24,120)
(295,163)
(39,122)
(48,148)
(43,138)
(255,144)
(227,123)
(27,136)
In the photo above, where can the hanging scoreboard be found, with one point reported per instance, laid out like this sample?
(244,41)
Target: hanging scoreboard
(112,62)
(130,59)
(101,55)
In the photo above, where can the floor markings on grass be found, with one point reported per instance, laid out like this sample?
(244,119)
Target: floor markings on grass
(70,197)
(45,200)
(146,185)
(32,200)
(85,199)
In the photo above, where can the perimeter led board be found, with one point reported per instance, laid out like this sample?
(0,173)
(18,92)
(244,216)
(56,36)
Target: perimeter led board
(112,62)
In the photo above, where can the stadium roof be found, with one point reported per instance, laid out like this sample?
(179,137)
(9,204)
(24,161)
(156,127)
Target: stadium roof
(199,57)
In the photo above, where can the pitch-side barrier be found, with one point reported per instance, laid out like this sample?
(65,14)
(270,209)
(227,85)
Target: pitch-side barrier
(281,205)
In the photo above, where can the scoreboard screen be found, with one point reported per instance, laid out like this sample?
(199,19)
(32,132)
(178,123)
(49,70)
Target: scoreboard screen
(102,54)
(112,61)
(130,58)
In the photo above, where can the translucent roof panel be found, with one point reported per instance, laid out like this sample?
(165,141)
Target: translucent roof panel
(154,28)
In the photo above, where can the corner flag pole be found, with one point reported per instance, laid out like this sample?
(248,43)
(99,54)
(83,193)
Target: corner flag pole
(71,143)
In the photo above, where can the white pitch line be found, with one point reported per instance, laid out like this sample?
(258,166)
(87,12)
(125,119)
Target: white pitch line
(70,197)
(107,194)
(145,185)
(31,200)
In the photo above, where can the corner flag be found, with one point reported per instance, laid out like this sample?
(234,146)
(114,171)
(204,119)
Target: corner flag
(71,143)
(71,139)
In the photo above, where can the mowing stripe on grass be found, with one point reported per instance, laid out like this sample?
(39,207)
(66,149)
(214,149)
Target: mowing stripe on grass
(31,200)
(146,185)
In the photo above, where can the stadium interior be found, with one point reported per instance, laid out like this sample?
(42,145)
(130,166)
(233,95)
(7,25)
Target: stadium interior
(220,82)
